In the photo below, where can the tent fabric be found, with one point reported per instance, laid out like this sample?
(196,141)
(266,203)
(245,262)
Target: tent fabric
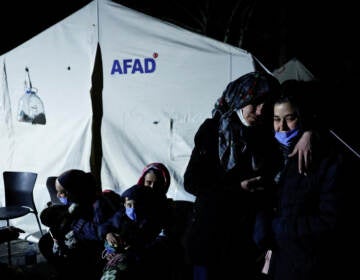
(293,69)
(159,83)
(153,115)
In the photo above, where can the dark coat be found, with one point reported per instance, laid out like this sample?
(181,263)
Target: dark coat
(308,211)
(222,226)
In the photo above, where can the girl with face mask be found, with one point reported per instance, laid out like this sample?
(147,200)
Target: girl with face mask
(305,227)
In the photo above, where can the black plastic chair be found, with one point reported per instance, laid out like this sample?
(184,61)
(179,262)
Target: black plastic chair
(50,185)
(19,198)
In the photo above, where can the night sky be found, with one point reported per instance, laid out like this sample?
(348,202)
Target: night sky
(21,20)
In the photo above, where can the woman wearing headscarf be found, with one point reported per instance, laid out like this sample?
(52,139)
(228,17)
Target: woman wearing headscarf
(167,252)
(231,173)
(157,176)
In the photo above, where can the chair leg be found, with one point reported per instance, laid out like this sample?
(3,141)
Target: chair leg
(38,222)
(9,252)
(9,245)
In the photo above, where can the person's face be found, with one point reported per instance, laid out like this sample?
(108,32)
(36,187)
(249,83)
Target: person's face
(285,117)
(150,180)
(253,114)
(130,203)
(60,191)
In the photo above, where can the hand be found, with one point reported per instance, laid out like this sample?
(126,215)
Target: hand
(111,239)
(70,240)
(303,149)
(252,184)
(73,209)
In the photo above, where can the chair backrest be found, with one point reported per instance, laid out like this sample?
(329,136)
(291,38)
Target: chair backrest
(19,187)
(50,184)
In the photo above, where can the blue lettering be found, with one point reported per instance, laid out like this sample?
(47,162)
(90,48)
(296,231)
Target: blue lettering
(137,66)
(116,67)
(150,65)
(127,64)
(133,66)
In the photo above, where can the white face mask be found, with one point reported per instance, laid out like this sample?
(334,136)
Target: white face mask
(241,117)
(285,137)
(130,212)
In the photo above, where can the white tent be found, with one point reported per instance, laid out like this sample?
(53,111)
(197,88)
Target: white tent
(159,82)
(293,69)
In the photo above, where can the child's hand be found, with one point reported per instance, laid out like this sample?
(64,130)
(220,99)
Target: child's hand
(111,244)
(111,239)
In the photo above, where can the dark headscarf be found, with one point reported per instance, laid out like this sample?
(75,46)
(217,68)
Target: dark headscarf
(80,185)
(252,88)
(162,174)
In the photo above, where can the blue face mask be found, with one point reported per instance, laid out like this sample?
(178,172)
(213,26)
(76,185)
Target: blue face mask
(130,212)
(285,137)
(63,200)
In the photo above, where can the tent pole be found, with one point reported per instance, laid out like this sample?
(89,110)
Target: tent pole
(345,144)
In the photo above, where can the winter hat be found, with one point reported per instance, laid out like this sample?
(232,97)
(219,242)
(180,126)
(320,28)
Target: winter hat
(80,186)
(146,199)
(139,193)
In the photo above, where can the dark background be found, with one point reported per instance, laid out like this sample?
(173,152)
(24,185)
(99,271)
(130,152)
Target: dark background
(320,34)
